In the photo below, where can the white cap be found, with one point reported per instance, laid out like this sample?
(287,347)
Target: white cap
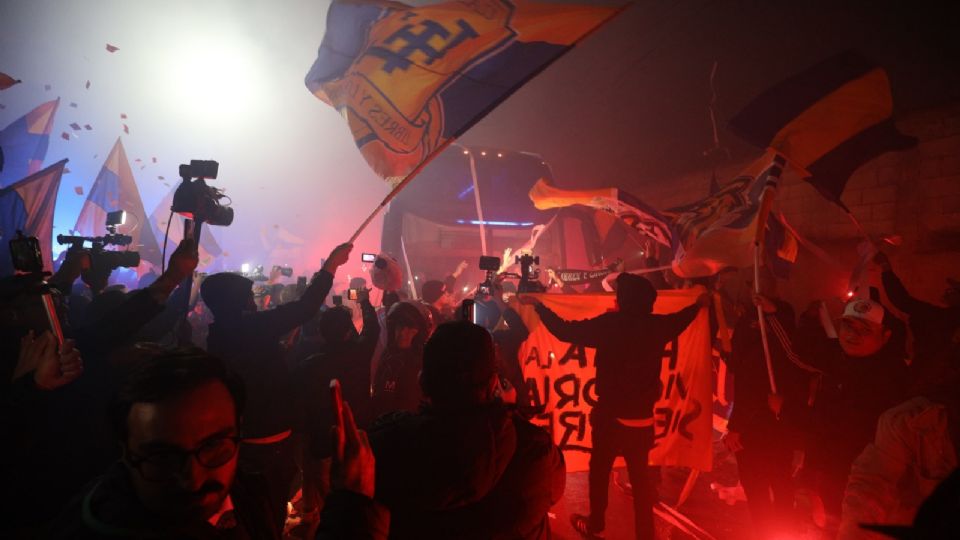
(864,309)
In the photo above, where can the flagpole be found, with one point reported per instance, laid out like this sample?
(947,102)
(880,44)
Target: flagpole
(476,199)
(766,203)
(393,193)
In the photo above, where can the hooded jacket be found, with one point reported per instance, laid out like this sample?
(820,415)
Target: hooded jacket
(249,342)
(481,473)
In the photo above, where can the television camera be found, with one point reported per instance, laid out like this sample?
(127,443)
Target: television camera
(101,259)
(195,200)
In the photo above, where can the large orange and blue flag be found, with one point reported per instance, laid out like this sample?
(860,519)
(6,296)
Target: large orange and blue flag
(116,189)
(827,120)
(409,80)
(24,143)
(28,206)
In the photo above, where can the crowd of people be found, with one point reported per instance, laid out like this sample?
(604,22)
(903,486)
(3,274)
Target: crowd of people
(193,407)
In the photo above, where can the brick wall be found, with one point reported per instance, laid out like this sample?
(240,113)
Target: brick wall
(914,194)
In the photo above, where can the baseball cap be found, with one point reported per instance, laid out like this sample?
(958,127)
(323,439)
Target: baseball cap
(864,309)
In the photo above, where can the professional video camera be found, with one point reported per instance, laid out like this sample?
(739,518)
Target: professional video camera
(100,258)
(195,200)
(529,276)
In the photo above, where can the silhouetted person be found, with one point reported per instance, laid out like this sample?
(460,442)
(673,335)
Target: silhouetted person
(465,466)
(763,428)
(249,342)
(630,343)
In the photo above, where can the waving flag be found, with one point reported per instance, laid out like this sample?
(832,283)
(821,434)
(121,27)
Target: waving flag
(409,80)
(28,206)
(24,143)
(829,120)
(115,189)
(647,220)
(719,230)
(208,250)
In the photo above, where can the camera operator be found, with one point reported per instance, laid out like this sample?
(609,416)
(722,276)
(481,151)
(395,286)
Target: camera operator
(249,342)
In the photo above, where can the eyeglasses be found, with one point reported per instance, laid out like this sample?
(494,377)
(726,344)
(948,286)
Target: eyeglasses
(162,466)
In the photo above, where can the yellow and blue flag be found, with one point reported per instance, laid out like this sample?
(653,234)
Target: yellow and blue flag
(24,143)
(720,230)
(409,80)
(827,120)
(28,206)
(116,189)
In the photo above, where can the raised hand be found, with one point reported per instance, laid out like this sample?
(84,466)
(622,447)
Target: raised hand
(354,466)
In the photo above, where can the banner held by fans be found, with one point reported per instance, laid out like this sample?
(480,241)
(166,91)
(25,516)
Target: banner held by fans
(560,376)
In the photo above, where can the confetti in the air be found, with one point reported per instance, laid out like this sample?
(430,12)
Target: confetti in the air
(88,85)
(75,126)
(160,178)
(126,129)
(87,127)
(7,81)
(46,87)
(154,160)
(112,48)
(78,190)
(65,136)
(73,104)
(66,170)
(123,116)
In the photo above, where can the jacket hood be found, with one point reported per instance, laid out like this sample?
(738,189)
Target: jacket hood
(442,460)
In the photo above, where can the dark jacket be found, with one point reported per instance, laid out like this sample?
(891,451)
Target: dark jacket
(932,326)
(249,343)
(348,362)
(751,413)
(351,516)
(852,394)
(629,353)
(482,473)
(109,508)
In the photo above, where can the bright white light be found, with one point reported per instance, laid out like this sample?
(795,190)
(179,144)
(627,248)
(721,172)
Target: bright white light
(245,268)
(465,289)
(210,77)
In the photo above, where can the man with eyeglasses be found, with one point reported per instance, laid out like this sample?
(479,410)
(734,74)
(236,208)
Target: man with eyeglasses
(176,420)
(864,374)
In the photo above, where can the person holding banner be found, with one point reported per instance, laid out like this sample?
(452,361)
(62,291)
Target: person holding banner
(630,343)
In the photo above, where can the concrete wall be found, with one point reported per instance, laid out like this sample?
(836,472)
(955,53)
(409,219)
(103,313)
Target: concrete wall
(914,194)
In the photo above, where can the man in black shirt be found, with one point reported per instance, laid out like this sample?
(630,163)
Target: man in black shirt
(629,343)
